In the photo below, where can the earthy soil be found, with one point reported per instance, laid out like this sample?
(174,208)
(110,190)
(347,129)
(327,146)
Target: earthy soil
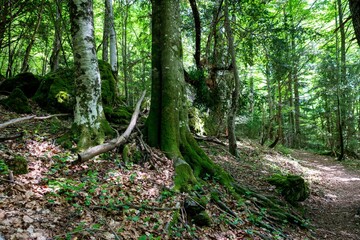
(334,205)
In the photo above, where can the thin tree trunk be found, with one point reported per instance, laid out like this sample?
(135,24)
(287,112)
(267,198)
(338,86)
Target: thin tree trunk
(55,55)
(106,31)
(236,90)
(197,22)
(124,52)
(25,63)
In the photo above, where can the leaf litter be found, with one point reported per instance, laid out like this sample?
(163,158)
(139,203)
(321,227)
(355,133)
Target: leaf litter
(107,198)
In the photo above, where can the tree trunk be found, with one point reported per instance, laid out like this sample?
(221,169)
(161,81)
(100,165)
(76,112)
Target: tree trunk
(113,48)
(342,82)
(197,22)
(89,118)
(167,124)
(54,59)
(124,52)
(106,33)
(355,14)
(236,91)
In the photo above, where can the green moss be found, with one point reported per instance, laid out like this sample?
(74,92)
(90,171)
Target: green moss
(120,115)
(108,83)
(126,153)
(27,82)
(4,169)
(57,89)
(292,187)
(18,165)
(17,102)
(202,219)
(184,177)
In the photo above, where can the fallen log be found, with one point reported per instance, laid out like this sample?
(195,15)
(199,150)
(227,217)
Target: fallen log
(27,118)
(112,144)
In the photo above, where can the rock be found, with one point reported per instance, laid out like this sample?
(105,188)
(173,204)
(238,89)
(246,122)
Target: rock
(292,187)
(17,102)
(195,209)
(56,92)
(27,82)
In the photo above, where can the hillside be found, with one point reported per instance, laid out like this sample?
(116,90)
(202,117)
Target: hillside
(109,198)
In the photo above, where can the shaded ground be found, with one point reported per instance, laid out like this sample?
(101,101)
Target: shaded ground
(58,201)
(334,205)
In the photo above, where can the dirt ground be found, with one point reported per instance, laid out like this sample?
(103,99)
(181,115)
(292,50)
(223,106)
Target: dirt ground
(334,204)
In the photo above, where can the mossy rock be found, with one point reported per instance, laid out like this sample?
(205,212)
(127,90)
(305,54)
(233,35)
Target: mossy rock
(27,82)
(292,187)
(18,165)
(120,115)
(17,102)
(56,92)
(195,210)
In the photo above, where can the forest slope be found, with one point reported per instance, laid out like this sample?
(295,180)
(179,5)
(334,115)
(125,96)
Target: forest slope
(58,201)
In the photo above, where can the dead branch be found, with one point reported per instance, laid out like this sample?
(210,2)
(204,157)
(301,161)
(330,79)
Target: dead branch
(27,118)
(209,139)
(102,148)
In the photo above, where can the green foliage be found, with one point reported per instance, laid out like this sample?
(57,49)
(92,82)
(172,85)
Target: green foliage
(17,102)
(4,169)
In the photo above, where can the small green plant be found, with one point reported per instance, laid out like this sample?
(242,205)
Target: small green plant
(4,169)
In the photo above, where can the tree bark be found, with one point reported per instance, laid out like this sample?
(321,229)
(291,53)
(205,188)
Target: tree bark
(89,118)
(197,22)
(354,6)
(54,59)
(236,90)
(106,33)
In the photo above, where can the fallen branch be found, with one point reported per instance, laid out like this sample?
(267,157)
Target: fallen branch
(102,148)
(209,139)
(32,117)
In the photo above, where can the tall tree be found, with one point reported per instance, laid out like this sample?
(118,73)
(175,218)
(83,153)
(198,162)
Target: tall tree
(167,124)
(236,87)
(89,118)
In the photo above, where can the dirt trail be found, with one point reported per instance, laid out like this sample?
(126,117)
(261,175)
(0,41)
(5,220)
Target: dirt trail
(334,205)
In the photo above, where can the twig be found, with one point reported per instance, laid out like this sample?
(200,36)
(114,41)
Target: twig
(34,117)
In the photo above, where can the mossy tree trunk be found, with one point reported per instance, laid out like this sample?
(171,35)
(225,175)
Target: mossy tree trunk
(89,118)
(167,124)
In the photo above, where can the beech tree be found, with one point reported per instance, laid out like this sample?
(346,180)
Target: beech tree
(89,118)
(167,124)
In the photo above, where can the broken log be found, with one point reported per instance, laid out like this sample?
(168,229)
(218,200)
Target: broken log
(112,144)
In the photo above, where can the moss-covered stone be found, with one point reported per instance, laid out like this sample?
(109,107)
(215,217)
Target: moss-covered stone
(202,219)
(56,92)
(27,82)
(17,102)
(292,187)
(18,165)
(120,115)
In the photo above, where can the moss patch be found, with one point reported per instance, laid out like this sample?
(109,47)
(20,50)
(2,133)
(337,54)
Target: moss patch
(27,82)
(56,92)
(18,165)
(292,187)
(17,102)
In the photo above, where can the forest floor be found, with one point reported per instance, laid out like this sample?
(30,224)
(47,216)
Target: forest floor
(107,198)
